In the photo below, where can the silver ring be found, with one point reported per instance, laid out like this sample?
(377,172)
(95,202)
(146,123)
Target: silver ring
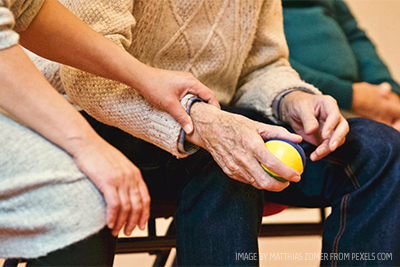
(252,180)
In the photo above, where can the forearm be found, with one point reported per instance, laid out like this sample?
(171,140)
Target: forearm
(114,104)
(56,34)
(26,94)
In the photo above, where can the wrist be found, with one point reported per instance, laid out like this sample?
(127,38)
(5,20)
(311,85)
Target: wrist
(285,104)
(138,74)
(82,140)
(203,115)
(277,106)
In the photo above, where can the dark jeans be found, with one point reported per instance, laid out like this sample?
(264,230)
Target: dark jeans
(219,217)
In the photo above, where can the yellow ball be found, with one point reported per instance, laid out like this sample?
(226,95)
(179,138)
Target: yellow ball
(289,153)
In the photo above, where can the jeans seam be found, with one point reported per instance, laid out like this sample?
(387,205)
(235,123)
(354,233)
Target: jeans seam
(343,217)
(348,171)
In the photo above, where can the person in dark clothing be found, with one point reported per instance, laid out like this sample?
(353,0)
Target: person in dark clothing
(330,51)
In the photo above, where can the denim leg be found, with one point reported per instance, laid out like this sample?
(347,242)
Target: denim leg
(218,221)
(361,181)
(217,218)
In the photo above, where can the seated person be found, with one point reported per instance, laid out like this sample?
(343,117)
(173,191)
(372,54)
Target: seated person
(330,51)
(214,173)
(65,193)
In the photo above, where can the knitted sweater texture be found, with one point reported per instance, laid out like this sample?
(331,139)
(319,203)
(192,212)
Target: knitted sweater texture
(236,48)
(15,16)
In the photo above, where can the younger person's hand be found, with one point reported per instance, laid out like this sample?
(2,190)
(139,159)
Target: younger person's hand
(164,89)
(120,182)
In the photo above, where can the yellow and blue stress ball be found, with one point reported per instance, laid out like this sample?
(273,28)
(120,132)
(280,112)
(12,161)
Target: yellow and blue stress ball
(289,153)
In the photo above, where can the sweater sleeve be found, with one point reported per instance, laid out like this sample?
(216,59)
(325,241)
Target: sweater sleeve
(267,72)
(371,67)
(111,102)
(8,37)
(15,16)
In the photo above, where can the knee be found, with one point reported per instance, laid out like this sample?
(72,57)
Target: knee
(374,138)
(219,194)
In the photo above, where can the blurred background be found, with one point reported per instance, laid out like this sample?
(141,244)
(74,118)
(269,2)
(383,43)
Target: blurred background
(381,20)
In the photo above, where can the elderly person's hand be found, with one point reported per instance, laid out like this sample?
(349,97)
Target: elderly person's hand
(317,119)
(376,102)
(237,145)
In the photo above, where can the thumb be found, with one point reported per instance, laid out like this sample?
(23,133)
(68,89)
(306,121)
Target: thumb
(180,115)
(384,89)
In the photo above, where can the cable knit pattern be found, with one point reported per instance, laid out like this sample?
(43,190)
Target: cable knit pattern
(236,48)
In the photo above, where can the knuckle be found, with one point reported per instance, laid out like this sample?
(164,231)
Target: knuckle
(271,165)
(114,204)
(265,184)
(146,201)
(168,103)
(137,207)
(135,172)
(126,206)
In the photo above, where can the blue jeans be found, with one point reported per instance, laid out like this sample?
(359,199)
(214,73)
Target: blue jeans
(219,217)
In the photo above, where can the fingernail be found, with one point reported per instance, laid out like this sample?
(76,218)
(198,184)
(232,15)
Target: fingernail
(188,128)
(334,145)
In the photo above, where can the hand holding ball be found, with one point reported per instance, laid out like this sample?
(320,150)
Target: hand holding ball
(289,153)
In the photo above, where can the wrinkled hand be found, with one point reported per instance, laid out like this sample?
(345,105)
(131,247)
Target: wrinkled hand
(237,145)
(376,102)
(164,89)
(121,183)
(317,119)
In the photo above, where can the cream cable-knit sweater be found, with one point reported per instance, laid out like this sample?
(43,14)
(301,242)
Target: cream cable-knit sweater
(235,47)
(15,16)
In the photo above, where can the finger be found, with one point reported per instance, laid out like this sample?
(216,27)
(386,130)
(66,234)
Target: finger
(274,166)
(145,215)
(176,110)
(256,176)
(264,181)
(331,123)
(392,110)
(123,211)
(136,209)
(271,132)
(339,135)
(310,123)
(396,125)
(321,151)
(113,204)
(206,94)
(384,89)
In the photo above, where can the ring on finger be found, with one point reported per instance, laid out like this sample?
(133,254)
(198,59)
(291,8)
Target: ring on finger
(252,180)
